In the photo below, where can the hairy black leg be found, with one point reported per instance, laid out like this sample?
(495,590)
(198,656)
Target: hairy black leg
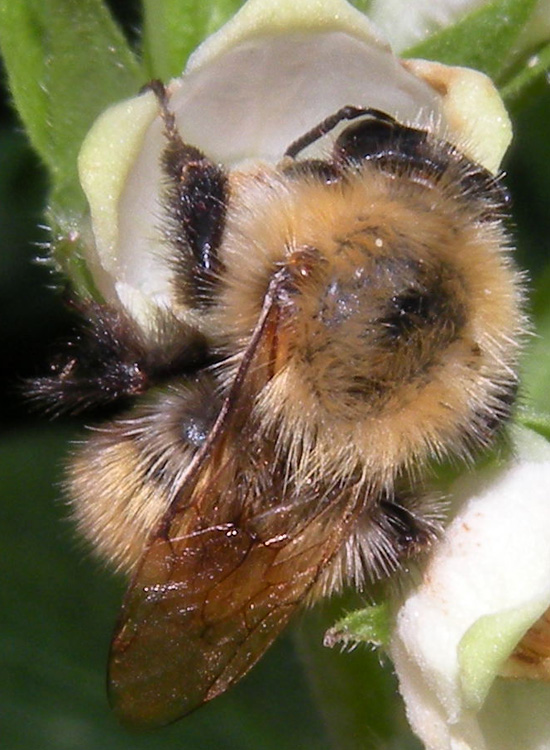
(107,361)
(195,203)
(410,533)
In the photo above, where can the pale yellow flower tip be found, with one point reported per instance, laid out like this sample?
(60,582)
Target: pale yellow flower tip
(265,18)
(104,161)
(476,117)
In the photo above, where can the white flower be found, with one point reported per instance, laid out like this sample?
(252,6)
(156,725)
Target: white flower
(486,584)
(272,73)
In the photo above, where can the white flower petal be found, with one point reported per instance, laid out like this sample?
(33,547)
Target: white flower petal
(267,91)
(487,582)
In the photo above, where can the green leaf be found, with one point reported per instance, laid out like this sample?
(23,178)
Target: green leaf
(482,40)
(21,31)
(172,29)
(66,60)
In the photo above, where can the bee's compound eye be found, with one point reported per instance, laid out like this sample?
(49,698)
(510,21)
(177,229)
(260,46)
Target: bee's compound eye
(364,140)
(397,149)
(377,139)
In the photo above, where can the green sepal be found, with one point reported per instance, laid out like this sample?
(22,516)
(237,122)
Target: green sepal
(369,625)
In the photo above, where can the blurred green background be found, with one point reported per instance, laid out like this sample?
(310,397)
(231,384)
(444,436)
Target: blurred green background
(57,606)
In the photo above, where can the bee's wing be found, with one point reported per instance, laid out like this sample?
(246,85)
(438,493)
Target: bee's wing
(209,600)
(235,555)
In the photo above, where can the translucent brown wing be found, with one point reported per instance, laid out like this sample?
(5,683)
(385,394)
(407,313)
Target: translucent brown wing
(234,557)
(209,599)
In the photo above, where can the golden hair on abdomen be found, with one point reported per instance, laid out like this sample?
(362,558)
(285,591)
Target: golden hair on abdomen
(123,478)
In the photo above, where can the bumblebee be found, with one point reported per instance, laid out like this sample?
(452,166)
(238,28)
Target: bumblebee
(361,320)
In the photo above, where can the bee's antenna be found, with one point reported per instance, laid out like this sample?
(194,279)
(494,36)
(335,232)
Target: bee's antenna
(324,127)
